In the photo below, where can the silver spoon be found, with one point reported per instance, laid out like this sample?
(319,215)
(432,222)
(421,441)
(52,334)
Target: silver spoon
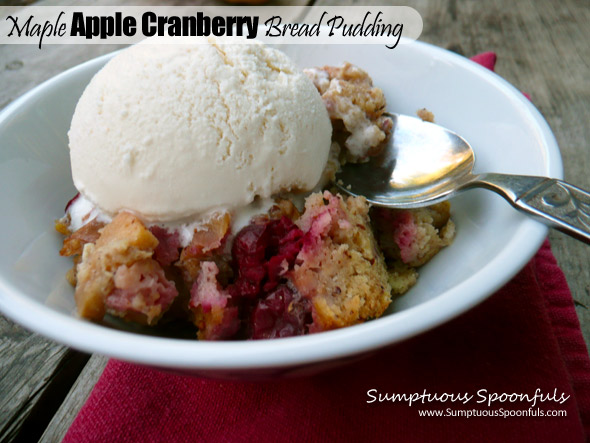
(424,163)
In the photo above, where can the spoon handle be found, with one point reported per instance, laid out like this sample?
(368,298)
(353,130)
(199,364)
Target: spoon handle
(554,202)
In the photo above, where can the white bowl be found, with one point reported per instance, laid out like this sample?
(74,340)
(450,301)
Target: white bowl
(493,241)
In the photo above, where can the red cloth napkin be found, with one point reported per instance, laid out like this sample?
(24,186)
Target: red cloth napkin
(525,339)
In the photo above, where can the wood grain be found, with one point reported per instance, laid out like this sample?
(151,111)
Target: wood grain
(28,362)
(33,372)
(77,396)
(542,48)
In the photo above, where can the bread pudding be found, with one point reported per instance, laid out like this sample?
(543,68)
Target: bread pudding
(284,269)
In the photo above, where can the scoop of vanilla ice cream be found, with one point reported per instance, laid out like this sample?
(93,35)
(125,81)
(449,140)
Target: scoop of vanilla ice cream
(169,131)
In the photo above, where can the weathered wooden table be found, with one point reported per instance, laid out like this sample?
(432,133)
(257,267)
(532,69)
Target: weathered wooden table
(542,48)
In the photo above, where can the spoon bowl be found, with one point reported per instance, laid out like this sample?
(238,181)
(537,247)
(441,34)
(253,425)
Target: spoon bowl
(424,163)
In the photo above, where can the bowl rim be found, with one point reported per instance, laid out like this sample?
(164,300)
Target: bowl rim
(337,344)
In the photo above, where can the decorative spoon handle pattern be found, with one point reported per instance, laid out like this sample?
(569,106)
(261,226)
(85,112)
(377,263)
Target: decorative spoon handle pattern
(555,202)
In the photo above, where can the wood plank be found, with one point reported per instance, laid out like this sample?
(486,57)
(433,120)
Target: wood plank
(549,58)
(543,49)
(29,363)
(26,362)
(33,371)
(63,418)
(29,427)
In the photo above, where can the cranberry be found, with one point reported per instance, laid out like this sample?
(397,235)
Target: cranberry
(283,313)
(248,252)
(168,249)
(284,247)
(262,253)
(228,327)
